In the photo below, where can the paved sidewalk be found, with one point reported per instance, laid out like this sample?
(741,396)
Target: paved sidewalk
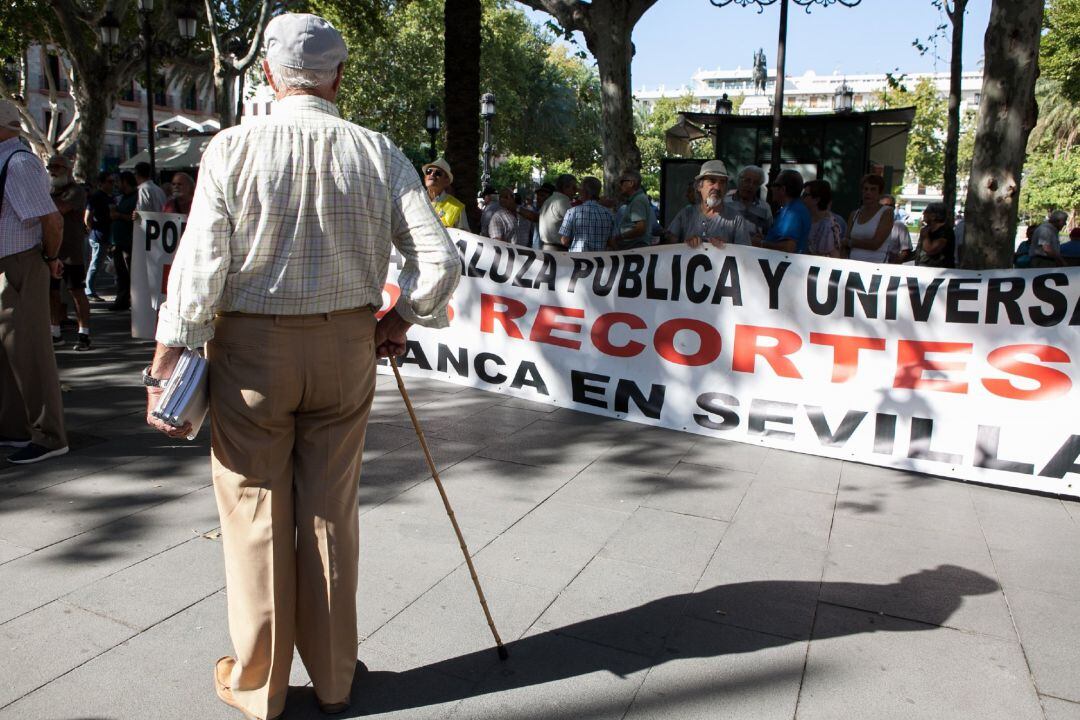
(634,573)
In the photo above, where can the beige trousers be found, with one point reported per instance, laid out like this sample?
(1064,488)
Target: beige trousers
(30,403)
(289,403)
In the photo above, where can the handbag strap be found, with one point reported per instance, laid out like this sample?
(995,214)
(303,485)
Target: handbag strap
(3,174)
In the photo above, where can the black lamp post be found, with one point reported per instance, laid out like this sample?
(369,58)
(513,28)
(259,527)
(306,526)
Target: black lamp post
(724,106)
(432,123)
(844,98)
(147,47)
(778,94)
(487,111)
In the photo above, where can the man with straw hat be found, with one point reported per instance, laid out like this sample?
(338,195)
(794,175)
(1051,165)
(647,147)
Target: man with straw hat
(279,273)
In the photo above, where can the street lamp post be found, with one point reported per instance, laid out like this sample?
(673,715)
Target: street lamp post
(146,47)
(778,93)
(432,123)
(487,111)
(843,98)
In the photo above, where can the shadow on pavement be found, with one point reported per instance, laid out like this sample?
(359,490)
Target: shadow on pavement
(559,654)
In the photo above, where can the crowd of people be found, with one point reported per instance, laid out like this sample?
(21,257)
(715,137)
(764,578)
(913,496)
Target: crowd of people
(575,216)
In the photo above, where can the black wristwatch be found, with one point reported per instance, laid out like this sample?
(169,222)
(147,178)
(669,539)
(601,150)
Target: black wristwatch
(150,381)
(48,259)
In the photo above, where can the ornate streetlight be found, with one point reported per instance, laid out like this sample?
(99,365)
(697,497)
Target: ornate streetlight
(146,47)
(432,123)
(843,98)
(724,106)
(778,94)
(487,111)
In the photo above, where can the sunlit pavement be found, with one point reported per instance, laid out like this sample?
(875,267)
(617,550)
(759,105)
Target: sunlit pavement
(633,573)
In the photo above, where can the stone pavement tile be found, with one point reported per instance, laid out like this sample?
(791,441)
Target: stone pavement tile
(908,500)
(40,577)
(1072,506)
(775,513)
(389,475)
(620,605)
(444,410)
(1017,521)
(10,551)
(764,586)
(715,452)
(553,677)
(404,554)
(485,494)
(611,487)
(61,511)
(714,671)
(800,471)
(666,540)
(17,480)
(935,578)
(553,445)
(862,665)
(150,591)
(1052,568)
(570,416)
(1049,629)
(550,545)
(700,490)
(416,693)
(487,424)
(48,642)
(446,625)
(546,408)
(382,439)
(163,673)
(649,448)
(1056,709)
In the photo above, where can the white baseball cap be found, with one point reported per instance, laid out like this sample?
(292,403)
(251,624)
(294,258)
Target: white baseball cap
(304,42)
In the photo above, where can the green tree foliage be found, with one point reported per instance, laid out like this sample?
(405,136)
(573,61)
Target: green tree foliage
(650,128)
(1059,51)
(547,101)
(926,143)
(1050,183)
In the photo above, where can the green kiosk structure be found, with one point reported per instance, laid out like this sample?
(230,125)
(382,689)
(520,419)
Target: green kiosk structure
(838,147)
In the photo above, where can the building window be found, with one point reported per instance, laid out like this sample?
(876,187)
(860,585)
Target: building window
(128,93)
(190,99)
(161,88)
(131,138)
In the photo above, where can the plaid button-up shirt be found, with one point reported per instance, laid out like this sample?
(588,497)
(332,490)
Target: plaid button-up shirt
(26,199)
(589,227)
(294,215)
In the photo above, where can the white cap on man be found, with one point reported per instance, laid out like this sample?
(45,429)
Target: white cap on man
(304,42)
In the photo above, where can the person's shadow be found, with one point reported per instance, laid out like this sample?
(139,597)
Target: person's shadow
(642,637)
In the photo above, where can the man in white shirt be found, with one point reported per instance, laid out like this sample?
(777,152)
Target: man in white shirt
(31,229)
(151,197)
(280,271)
(553,212)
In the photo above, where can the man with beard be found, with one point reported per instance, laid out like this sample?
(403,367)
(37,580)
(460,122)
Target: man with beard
(710,219)
(70,199)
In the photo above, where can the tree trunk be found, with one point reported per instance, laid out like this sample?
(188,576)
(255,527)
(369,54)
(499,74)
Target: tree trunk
(1007,115)
(609,42)
(952,134)
(224,103)
(462,102)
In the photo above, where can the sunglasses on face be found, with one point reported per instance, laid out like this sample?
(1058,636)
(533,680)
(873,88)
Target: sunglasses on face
(433,172)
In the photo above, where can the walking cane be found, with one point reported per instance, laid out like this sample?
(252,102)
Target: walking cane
(503,654)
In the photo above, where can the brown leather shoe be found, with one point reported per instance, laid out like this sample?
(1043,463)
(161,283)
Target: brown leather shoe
(222,685)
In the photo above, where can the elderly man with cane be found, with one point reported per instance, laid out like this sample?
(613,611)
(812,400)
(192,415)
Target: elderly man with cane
(279,273)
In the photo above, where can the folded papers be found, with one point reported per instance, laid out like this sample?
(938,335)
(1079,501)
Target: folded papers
(186,395)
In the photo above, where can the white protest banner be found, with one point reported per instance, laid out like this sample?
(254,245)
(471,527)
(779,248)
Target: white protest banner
(154,241)
(947,372)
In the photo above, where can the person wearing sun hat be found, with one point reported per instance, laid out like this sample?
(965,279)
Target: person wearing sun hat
(437,180)
(281,268)
(709,219)
(31,230)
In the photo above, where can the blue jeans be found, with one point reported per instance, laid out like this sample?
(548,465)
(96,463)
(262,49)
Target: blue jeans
(99,245)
